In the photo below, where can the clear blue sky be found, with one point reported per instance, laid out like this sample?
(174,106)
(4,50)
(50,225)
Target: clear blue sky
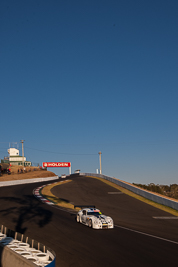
(79,77)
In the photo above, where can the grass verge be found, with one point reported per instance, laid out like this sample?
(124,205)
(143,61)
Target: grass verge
(46,192)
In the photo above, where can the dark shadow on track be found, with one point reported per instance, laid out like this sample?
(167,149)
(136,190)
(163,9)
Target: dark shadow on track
(25,210)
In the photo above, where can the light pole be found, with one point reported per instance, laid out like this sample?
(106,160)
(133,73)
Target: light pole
(22,141)
(100,161)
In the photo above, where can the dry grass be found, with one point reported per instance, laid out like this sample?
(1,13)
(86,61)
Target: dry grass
(31,172)
(46,192)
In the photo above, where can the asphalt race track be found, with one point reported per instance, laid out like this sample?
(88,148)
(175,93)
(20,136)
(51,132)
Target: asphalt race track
(78,245)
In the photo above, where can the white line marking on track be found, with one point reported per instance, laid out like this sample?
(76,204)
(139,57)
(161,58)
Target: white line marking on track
(135,231)
(165,218)
(115,193)
(157,237)
(74,213)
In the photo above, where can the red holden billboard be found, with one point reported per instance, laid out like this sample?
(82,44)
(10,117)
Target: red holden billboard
(56,164)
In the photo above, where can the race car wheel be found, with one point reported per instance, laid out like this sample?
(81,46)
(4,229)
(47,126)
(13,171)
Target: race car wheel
(78,218)
(90,224)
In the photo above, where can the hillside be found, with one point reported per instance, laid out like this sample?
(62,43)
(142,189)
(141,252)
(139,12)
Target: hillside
(30,172)
(166,190)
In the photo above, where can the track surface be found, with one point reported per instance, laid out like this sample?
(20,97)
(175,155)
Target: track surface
(78,245)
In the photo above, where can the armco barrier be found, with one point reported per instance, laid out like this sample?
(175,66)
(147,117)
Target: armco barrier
(10,257)
(151,196)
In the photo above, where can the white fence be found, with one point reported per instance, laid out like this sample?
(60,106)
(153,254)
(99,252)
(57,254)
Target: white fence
(149,195)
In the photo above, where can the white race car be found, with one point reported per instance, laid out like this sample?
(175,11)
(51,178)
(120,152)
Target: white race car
(93,218)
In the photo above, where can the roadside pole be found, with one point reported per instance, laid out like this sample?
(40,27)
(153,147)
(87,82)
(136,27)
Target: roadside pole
(100,161)
(70,169)
(22,141)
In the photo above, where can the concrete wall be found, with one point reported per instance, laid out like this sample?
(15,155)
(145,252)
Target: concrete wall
(144,193)
(28,181)
(11,258)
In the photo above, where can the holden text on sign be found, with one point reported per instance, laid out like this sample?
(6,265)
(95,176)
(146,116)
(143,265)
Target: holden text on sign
(56,164)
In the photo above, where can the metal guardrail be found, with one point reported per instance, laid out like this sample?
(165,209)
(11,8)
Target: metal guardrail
(149,195)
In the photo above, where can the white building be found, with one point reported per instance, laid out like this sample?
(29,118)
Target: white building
(15,159)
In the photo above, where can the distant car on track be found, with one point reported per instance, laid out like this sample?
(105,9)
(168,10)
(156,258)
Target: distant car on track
(93,218)
(77,171)
(63,176)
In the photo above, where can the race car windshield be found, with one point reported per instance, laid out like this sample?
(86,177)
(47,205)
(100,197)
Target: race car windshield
(95,213)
